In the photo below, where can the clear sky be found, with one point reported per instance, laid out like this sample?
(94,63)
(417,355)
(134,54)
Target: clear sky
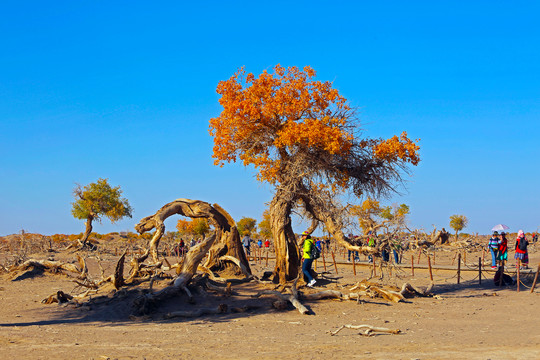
(124,90)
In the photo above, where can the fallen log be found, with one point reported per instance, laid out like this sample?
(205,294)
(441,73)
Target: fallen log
(34,267)
(369,330)
(292,298)
(408,291)
(194,256)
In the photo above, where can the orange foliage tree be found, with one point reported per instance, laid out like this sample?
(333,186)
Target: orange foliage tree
(193,227)
(303,137)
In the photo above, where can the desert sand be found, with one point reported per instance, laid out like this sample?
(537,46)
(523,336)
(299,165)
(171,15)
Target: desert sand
(465,321)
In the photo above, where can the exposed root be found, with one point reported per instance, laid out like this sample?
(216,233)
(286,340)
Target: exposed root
(144,303)
(292,298)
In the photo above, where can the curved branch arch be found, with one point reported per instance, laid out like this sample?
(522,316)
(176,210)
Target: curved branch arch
(229,239)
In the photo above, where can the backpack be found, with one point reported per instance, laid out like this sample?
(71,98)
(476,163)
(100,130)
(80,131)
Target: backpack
(522,244)
(315,252)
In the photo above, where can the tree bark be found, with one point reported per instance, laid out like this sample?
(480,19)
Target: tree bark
(229,240)
(87,231)
(193,258)
(287,252)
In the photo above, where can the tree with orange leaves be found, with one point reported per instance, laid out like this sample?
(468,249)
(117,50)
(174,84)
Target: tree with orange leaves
(303,137)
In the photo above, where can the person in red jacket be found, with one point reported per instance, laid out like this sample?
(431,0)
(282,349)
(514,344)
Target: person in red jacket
(521,251)
(502,253)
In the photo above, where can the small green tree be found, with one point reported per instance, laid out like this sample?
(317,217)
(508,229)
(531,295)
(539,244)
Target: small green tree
(246,225)
(96,200)
(458,223)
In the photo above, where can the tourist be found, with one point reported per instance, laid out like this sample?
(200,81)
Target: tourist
(521,254)
(494,248)
(396,248)
(353,241)
(502,251)
(246,242)
(308,261)
(267,244)
(259,243)
(371,243)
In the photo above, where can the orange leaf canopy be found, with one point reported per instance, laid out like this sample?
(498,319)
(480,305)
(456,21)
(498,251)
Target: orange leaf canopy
(270,119)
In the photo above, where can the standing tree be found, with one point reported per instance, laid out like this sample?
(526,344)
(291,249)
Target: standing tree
(96,200)
(303,137)
(372,216)
(458,223)
(265,226)
(246,225)
(193,227)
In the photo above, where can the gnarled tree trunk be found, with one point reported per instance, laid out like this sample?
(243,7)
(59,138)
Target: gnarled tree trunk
(88,230)
(287,252)
(229,240)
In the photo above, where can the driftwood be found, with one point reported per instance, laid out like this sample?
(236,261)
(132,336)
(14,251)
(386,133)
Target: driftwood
(61,297)
(117,279)
(326,294)
(36,266)
(369,330)
(408,291)
(189,267)
(228,242)
(375,290)
(292,298)
(237,262)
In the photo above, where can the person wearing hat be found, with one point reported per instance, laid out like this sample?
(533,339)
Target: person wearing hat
(308,261)
(494,247)
(521,254)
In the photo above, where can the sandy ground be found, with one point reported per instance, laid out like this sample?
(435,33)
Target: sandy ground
(466,321)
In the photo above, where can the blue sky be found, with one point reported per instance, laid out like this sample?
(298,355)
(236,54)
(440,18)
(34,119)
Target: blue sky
(124,90)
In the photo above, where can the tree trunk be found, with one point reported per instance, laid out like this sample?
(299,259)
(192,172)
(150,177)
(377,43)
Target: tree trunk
(287,252)
(87,231)
(228,238)
(154,243)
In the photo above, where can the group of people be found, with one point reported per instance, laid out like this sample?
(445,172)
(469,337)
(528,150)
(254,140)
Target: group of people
(393,244)
(498,246)
(246,243)
(180,248)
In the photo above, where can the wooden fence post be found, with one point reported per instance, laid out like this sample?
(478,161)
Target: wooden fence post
(323,260)
(334,259)
(479,271)
(518,266)
(412,265)
(429,266)
(483,252)
(458,268)
(535,278)
(354,266)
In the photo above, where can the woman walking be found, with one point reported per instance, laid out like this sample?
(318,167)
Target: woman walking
(521,254)
(308,260)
